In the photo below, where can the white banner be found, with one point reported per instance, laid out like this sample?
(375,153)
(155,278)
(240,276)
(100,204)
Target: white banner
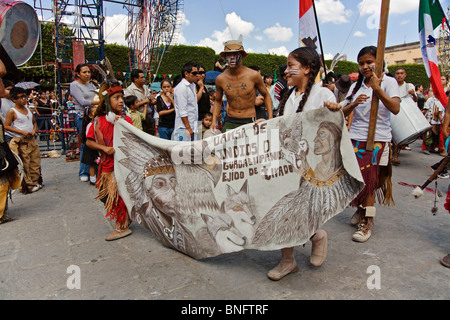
(265,186)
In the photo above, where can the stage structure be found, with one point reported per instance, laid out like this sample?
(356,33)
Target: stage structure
(444,47)
(79,32)
(78,36)
(152,26)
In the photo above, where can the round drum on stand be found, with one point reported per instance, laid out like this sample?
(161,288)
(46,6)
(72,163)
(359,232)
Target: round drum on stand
(19,30)
(409,124)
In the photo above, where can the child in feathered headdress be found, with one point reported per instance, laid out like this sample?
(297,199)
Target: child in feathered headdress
(100,137)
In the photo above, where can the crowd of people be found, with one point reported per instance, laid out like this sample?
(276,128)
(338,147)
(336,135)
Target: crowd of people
(186,109)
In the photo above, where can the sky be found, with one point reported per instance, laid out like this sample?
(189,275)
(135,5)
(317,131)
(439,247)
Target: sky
(270,26)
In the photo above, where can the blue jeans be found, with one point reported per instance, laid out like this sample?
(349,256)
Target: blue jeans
(165,133)
(181,135)
(84,168)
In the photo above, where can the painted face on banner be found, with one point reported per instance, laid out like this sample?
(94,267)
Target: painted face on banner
(234,59)
(161,190)
(322,142)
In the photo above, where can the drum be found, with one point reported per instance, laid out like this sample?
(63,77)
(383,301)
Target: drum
(409,123)
(19,30)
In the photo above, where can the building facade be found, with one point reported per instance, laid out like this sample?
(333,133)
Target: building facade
(403,53)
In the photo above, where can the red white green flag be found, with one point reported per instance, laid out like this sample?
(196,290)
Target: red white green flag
(431,16)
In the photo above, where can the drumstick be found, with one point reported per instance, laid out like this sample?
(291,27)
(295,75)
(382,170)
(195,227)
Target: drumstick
(418,190)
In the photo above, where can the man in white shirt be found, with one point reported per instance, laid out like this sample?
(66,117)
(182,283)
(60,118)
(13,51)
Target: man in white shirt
(186,108)
(434,111)
(407,92)
(139,89)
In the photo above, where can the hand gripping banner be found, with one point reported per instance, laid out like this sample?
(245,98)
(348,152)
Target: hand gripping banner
(261,186)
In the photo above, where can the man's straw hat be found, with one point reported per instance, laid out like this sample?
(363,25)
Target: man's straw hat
(234,46)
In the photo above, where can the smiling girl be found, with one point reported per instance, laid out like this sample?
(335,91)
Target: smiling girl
(377,167)
(303,65)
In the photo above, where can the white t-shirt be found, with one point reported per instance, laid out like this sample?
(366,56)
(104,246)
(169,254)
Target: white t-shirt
(5,106)
(433,105)
(361,114)
(316,98)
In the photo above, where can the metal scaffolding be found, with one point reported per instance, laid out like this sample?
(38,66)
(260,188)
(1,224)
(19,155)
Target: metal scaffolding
(444,48)
(75,21)
(152,26)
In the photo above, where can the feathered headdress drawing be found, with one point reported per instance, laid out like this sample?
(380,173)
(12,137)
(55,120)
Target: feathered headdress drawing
(194,187)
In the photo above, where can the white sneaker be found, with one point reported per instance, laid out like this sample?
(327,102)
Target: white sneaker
(35,188)
(362,234)
(84,178)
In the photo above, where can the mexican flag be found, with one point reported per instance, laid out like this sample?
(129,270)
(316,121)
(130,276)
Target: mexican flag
(431,16)
(308,35)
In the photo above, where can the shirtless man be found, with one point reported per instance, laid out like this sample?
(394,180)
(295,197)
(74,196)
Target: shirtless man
(239,84)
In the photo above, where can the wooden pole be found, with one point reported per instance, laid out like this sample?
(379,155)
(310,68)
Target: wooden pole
(378,71)
(320,41)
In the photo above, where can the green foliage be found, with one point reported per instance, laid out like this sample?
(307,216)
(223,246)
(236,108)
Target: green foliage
(43,59)
(174,59)
(177,56)
(268,63)
(118,56)
(343,67)
(415,74)
(48,55)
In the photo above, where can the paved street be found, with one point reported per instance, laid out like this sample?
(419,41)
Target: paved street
(61,227)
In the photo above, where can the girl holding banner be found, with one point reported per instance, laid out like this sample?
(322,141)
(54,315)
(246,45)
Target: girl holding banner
(375,165)
(303,65)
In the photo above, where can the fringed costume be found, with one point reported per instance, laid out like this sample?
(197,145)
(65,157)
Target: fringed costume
(102,131)
(376,173)
(9,175)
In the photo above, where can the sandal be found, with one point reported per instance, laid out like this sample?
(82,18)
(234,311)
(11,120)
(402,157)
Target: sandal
(117,234)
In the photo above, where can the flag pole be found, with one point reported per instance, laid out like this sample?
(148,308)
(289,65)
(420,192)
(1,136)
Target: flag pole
(320,39)
(378,71)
